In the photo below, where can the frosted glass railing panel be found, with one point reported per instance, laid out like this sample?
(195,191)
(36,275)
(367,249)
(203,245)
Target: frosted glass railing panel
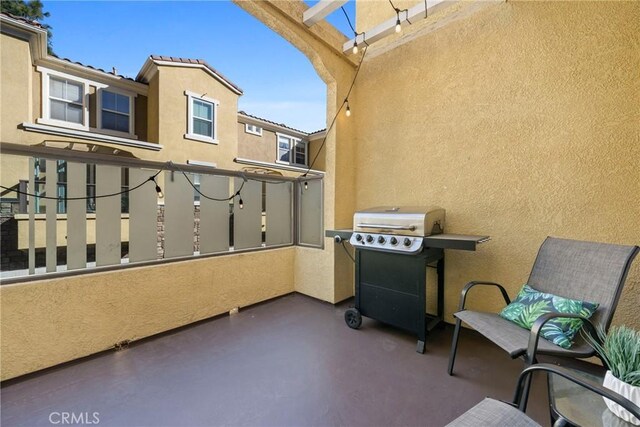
(214,215)
(51,190)
(178,216)
(137,226)
(311,212)
(108,220)
(247,222)
(279,213)
(143,218)
(76,216)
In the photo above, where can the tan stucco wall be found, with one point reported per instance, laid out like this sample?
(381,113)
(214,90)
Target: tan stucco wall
(15,85)
(522,120)
(254,147)
(173,119)
(52,321)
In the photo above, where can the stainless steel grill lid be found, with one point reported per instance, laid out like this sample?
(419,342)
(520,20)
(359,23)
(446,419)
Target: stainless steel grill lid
(406,220)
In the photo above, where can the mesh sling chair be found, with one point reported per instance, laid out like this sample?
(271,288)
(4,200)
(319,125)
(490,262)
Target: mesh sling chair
(491,412)
(585,271)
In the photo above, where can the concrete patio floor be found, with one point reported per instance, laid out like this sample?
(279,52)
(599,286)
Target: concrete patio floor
(290,361)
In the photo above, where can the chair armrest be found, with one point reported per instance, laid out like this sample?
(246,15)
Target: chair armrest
(563,372)
(534,336)
(468,286)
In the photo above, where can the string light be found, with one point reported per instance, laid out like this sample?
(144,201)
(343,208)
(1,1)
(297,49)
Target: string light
(306,185)
(240,202)
(333,122)
(355,45)
(348,112)
(152,178)
(398,26)
(158,189)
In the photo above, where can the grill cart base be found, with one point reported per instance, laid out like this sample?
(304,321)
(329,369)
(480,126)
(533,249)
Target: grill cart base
(391,287)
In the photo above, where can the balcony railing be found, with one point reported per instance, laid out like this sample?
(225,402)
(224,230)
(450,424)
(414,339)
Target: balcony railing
(202,211)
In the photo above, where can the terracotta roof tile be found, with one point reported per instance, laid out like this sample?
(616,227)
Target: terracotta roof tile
(196,61)
(94,68)
(273,123)
(23,19)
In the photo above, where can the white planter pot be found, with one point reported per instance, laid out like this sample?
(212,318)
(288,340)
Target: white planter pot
(623,389)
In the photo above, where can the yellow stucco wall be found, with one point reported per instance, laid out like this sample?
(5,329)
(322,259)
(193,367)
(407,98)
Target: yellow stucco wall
(254,147)
(522,120)
(172,114)
(53,321)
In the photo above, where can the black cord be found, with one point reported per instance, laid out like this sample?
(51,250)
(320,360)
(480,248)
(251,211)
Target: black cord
(348,20)
(128,190)
(237,193)
(347,251)
(333,122)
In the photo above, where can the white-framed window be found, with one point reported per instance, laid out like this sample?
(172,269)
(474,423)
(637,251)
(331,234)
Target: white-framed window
(253,129)
(64,100)
(202,116)
(291,150)
(116,112)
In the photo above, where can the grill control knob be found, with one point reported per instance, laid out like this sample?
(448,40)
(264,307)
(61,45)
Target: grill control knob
(393,241)
(369,238)
(406,241)
(358,237)
(381,240)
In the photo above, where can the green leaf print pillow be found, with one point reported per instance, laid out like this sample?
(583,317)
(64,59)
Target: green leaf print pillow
(531,304)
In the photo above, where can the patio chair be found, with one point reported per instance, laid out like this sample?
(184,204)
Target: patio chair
(491,412)
(586,271)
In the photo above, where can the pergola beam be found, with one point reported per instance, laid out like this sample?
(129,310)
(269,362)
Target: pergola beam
(387,28)
(320,10)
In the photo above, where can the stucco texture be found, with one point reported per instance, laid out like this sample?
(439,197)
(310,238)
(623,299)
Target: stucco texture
(522,121)
(53,321)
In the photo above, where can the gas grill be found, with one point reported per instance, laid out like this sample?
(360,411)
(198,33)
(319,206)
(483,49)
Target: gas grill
(394,247)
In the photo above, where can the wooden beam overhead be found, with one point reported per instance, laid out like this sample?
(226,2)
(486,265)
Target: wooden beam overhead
(320,10)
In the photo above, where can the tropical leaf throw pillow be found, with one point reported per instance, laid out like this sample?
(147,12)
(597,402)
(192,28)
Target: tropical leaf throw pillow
(531,304)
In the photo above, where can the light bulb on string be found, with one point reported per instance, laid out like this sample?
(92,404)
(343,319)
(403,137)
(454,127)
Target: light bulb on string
(240,203)
(158,189)
(355,46)
(306,185)
(348,111)
(398,26)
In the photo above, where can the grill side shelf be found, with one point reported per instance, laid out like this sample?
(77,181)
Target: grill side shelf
(464,242)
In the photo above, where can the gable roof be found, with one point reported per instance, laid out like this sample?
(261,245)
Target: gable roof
(270,122)
(186,62)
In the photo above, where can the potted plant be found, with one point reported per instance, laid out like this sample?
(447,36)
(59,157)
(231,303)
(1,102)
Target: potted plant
(620,351)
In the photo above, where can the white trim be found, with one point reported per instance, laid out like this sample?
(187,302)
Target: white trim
(132,112)
(320,10)
(201,138)
(91,136)
(283,166)
(201,163)
(292,152)
(46,99)
(191,96)
(253,132)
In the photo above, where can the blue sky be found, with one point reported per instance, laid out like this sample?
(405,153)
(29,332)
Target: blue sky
(279,82)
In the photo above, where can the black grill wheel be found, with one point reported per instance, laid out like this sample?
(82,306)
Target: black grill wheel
(353,318)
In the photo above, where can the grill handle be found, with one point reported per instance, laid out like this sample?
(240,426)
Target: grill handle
(388,227)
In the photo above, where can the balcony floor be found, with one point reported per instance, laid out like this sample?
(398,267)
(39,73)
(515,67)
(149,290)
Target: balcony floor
(291,361)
